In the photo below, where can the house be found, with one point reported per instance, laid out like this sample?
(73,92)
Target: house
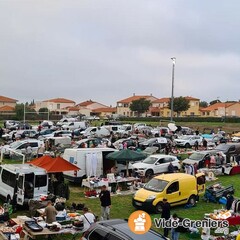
(222,109)
(105,112)
(87,107)
(123,106)
(56,105)
(7,105)
(160,107)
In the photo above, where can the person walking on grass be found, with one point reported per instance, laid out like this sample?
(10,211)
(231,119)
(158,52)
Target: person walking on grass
(165,215)
(105,199)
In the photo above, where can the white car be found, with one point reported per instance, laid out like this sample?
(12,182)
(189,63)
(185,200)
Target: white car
(20,146)
(157,163)
(188,141)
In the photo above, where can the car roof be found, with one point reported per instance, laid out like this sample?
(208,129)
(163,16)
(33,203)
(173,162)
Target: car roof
(121,227)
(173,176)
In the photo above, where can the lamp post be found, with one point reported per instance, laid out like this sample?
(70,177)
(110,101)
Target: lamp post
(173,68)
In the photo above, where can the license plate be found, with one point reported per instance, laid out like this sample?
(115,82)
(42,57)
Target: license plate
(138,204)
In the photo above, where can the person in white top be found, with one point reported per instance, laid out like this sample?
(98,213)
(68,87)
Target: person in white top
(87,218)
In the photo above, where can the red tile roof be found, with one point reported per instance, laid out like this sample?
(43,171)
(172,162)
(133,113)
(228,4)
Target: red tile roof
(107,109)
(59,100)
(73,108)
(191,98)
(161,100)
(6,99)
(6,109)
(133,98)
(86,103)
(215,106)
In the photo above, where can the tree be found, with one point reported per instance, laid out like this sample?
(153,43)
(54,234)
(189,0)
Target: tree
(43,110)
(19,110)
(203,104)
(214,101)
(140,106)
(180,104)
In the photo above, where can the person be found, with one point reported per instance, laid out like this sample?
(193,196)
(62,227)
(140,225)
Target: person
(40,150)
(1,132)
(114,170)
(204,143)
(165,214)
(105,199)
(28,152)
(174,231)
(196,145)
(13,137)
(170,168)
(87,218)
(50,213)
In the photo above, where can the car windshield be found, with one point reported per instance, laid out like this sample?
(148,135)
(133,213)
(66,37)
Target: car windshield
(150,160)
(15,144)
(196,156)
(222,147)
(156,185)
(150,141)
(185,137)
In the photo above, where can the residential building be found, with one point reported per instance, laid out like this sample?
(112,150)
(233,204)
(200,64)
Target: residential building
(123,106)
(160,107)
(56,105)
(105,112)
(222,109)
(7,105)
(87,107)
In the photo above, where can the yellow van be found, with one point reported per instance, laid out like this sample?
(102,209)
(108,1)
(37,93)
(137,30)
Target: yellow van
(177,188)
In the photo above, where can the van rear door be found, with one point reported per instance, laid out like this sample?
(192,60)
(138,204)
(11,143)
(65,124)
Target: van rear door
(200,177)
(20,189)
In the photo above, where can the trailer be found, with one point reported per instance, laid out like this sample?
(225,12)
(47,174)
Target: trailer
(214,192)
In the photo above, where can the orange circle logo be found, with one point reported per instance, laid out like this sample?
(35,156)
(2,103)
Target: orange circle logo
(139,222)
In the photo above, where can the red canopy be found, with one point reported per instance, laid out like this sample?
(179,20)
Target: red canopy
(52,165)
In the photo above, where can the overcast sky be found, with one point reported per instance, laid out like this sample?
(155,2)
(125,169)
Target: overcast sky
(106,50)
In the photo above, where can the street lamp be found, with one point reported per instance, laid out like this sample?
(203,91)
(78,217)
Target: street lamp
(173,68)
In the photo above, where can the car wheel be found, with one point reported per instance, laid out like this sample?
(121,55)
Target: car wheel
(158,208)
(192,200)
(149,173)
(187,145)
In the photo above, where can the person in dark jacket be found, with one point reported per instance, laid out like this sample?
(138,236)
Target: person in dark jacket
(166,215)
(105,199)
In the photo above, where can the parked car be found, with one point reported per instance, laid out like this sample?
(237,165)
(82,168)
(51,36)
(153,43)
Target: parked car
(177,188)
(96,142)
(20,126)
(160,131)
(26,134)
(188,141)
(8,136)
(200,158)
(10,123)
(154,164)
(117,229)
(96,132)
(159,142)
(20,146)
(42,134)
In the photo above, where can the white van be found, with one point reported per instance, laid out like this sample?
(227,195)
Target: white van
(74,125)
(21,182)
(91,161)
(96,132)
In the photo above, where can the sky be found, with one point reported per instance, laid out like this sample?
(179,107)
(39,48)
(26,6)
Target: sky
(107,50)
